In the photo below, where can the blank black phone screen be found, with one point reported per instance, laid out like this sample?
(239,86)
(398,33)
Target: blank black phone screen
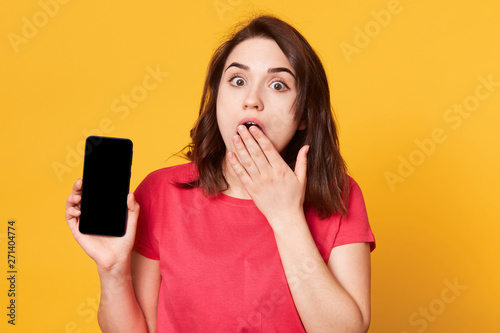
(105,186)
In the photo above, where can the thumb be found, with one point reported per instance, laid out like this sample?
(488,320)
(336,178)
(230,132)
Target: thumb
(301,164)
(132,215)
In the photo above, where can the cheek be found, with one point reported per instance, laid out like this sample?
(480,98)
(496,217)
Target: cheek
(223,105)
(281,121)
(277,130)
(224,123)
(283,127)
(282,134)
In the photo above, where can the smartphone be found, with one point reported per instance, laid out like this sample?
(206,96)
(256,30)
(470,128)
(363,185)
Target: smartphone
(105,186)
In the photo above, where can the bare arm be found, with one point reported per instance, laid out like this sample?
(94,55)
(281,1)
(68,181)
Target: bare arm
(146,280)
(129,296)
(328,298)
(119,310)
(120,271)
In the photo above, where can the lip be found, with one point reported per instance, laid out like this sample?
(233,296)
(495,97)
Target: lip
(253,120)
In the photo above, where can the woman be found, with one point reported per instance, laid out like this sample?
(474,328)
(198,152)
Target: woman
(263,231)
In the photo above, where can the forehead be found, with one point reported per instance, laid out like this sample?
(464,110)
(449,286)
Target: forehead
(258,54)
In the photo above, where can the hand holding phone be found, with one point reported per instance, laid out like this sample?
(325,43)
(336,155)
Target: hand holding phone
(107,252)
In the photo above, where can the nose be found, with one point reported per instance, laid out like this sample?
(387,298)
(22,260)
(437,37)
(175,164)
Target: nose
(253,100)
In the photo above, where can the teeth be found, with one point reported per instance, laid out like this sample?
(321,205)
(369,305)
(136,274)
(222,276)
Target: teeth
(248,124)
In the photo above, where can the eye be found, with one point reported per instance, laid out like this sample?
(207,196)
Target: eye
(237,81)
(279,86)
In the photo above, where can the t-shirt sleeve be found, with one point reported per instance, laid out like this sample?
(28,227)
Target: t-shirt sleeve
(354,227)
(145,241)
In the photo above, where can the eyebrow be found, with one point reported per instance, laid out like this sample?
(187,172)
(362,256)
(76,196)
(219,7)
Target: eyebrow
(280,69)
(238,65)
(270,70)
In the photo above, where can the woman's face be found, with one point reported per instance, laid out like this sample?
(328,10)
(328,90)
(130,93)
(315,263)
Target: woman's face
(258,86)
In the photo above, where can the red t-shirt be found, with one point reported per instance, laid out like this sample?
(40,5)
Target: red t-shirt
(220,266)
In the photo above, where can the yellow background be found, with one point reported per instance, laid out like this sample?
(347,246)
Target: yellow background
(436,227)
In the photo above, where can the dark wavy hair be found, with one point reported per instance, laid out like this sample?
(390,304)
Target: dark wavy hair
(327,189)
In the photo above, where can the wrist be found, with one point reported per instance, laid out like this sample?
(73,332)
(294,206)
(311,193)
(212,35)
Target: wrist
(121,267)
(289,223)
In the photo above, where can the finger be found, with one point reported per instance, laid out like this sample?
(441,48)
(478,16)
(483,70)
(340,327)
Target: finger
(72,214)
(73,200)
(239,170)
(273,156)
(301,164)
(260,157)
(132,215)
(75,196)
(251,144)
(246,151)
(77,187)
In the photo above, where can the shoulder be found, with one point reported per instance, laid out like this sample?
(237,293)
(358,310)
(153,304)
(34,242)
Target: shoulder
(356,200)
(355,225)
(177,173)
(339,229)
(353,184)
(164,179)
(185,170)
(159,194)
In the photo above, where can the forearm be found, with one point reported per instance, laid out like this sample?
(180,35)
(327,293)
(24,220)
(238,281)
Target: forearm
(118,308)
(321,301)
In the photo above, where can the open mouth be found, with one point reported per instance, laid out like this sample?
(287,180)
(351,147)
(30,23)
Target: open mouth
(249,124)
